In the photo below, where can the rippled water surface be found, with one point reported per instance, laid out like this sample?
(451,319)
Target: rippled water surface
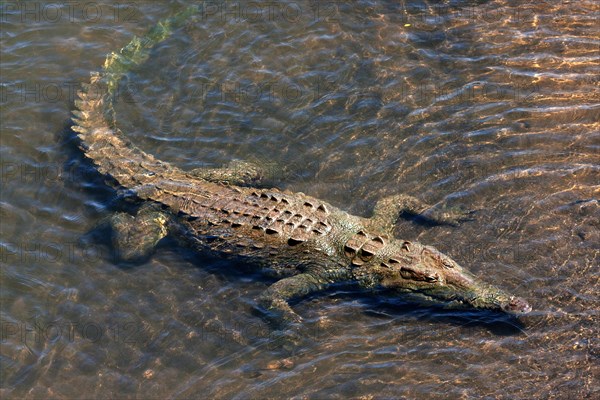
(488,105)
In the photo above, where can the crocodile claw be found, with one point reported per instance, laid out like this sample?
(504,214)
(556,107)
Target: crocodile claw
(453,216)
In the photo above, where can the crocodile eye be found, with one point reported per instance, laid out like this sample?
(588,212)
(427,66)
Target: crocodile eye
(411,274)
(448,264)
(408,273)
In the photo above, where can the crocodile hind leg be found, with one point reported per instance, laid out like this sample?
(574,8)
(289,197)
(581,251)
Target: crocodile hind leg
(236,173)
(388,210)
(134,237)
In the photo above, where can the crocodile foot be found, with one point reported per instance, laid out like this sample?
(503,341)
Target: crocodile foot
(290,340)
(388,210)
(447,216)
(135,237)
(278,312)
(273,302)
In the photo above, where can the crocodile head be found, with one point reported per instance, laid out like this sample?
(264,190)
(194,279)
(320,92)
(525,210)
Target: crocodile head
(432,275)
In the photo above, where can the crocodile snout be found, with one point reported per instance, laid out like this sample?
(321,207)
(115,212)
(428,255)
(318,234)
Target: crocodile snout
(516,305)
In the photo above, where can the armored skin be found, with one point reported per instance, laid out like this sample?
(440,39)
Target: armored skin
(307,243)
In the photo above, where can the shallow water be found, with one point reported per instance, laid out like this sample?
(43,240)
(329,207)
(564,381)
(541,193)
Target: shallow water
(492,106)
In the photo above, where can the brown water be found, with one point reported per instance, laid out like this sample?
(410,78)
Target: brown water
(493,106)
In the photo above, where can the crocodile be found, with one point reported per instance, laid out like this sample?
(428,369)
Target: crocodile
(306,243)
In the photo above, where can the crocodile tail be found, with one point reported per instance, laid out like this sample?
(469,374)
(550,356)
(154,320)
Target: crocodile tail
(94,117)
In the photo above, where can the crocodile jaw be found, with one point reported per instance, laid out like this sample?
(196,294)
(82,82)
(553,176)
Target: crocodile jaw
(517,306)
(489,298)
(478,294)
(436,277)
(465,289)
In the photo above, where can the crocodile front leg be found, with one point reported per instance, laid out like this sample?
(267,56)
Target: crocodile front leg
(275,298)
(236,173)
(134,237)
(388,210)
